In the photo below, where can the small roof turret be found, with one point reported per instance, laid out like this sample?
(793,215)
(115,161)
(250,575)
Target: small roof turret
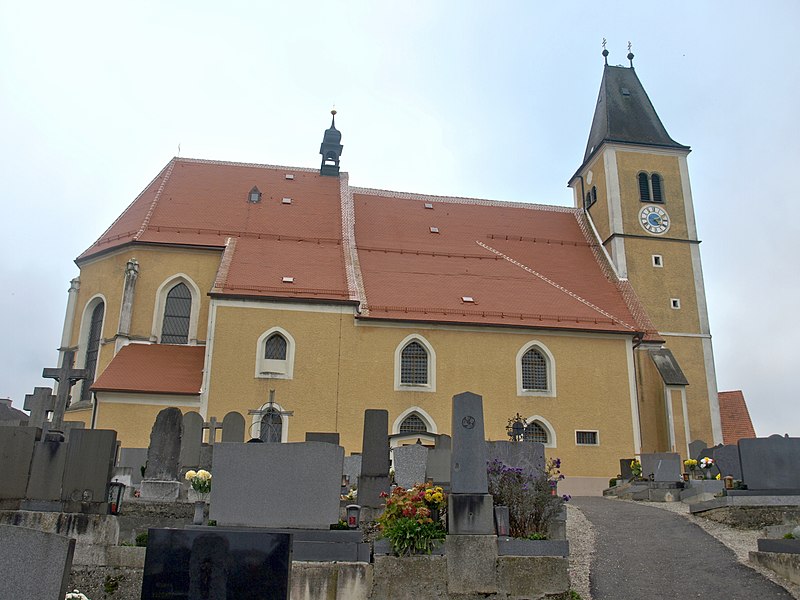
(331,149)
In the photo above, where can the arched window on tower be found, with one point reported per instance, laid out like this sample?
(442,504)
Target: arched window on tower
(177,311)
(92,349)
(651,187)
(534,432)
(644,187)
(414,364)
(655,182)
(413,424)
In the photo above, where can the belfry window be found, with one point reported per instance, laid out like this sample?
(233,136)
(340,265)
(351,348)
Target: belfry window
(414,364)
(591,197)
(650,187)
(177,311)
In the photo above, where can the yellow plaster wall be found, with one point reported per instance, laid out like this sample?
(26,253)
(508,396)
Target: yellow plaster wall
(342,368)
(678,421)
(133,422)
(652,410)
(689,353)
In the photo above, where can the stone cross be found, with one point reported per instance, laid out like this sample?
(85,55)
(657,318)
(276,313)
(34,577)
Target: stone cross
(212,425)
(41,402)
(269,411)
(66,377)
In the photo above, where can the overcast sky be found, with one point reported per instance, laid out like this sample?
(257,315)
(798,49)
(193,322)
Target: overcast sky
(482,99)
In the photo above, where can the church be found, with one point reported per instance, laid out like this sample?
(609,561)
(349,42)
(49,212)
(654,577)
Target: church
(298,300)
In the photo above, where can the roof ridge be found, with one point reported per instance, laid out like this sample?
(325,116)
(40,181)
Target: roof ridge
(558,286)
(156,198)
(229,163)
(460,200)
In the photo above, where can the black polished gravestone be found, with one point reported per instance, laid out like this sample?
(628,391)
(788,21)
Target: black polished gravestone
(216,564)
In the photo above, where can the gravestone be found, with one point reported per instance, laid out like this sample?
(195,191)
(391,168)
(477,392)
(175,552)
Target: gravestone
(374,477)
(525,455)
(90,461)
(217,564)
(277,485)
(212,425)
(191,440)
(163,457)
(47,472)
(771,464)
(409,464)
(206,456)
(233,427)
(470,509)
(135,458)
(16,453)
(318,436)
(36,565)
(352,468)
(438,467)
(727,459)
(66,377)
(40,403)
(664,466)
(696,447)
(625,468)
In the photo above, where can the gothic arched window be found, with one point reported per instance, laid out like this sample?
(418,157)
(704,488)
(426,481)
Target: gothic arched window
(271,426)
(92,349)
(534,432)
(414,364)
(534,370)
(413,424)
(177,312)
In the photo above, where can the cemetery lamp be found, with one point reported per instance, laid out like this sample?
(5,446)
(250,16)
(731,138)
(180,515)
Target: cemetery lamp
(116,491)
(728,482)
(353,514)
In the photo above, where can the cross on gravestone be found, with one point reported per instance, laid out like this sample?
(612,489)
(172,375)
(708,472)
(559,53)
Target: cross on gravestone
(66,377)
(41,402)
(271,420)
(212,425)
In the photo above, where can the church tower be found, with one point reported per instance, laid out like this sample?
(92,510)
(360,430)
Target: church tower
(331,149)
(633,186)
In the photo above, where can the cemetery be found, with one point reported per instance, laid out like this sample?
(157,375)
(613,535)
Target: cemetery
(203,513)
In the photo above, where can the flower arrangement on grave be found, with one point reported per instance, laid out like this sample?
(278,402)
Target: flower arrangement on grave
(530,495)
(407,521)
(636,468)
(706,462)
(75,595)
(351,496)
(691,464)
(200,481)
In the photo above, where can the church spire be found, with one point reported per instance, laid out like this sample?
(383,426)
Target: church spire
(331,149)
(624,113)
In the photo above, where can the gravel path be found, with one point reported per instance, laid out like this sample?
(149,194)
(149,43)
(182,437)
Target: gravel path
(644,553)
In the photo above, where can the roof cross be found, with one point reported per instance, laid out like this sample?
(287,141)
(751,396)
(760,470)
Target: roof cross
(41,402)
(66,377)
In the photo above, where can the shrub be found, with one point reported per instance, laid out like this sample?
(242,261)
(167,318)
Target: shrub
(141,539)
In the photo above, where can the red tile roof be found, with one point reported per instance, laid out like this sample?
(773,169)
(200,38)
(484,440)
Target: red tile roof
(736,423)
(523,264)
(154,369)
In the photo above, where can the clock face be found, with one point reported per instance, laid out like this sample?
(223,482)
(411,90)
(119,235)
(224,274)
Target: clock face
(654,219)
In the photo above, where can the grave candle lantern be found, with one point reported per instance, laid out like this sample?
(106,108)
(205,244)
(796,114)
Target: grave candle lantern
(353,513)
(116,491)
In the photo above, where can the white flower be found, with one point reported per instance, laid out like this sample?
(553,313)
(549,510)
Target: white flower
(190,475)
(203,474)
(75,595)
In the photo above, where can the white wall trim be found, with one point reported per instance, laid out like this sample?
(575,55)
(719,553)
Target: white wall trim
(422,413)
(684,334)
(161,300)
(288,306)
(688,202)
(713,394)
(635,420)
(670,417)
(487,329)
(403,387)
(550,392)
(262,365)
(192,401)
(686,429)
(551,432)
(210,331)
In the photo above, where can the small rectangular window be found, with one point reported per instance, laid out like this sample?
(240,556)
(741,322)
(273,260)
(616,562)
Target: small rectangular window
(286,201)
(586,438)
(428,205)
(434,230)
(289,176)
(467,299)
(658,260)
(675,303)
(288,280)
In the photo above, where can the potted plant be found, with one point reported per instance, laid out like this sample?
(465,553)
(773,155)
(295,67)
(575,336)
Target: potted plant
(411,521)
(691,465)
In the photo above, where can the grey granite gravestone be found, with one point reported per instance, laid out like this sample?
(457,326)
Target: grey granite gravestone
(770,464)
(625,468)
(47,471)
(664,466)
(525,455)
(438,467)
(727,459)
(217,564)
(90,461)
(696,447)
(233,427)
(258,485)
(135,458)
(319,436)
(163,457)
(36,565)
(470,509)
(352,469)
(40,403)
(191,440)
(16,453)
(409,464)
(206,456)
(374,477)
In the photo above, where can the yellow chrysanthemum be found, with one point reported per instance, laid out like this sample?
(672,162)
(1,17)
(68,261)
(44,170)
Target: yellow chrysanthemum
(191,475)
